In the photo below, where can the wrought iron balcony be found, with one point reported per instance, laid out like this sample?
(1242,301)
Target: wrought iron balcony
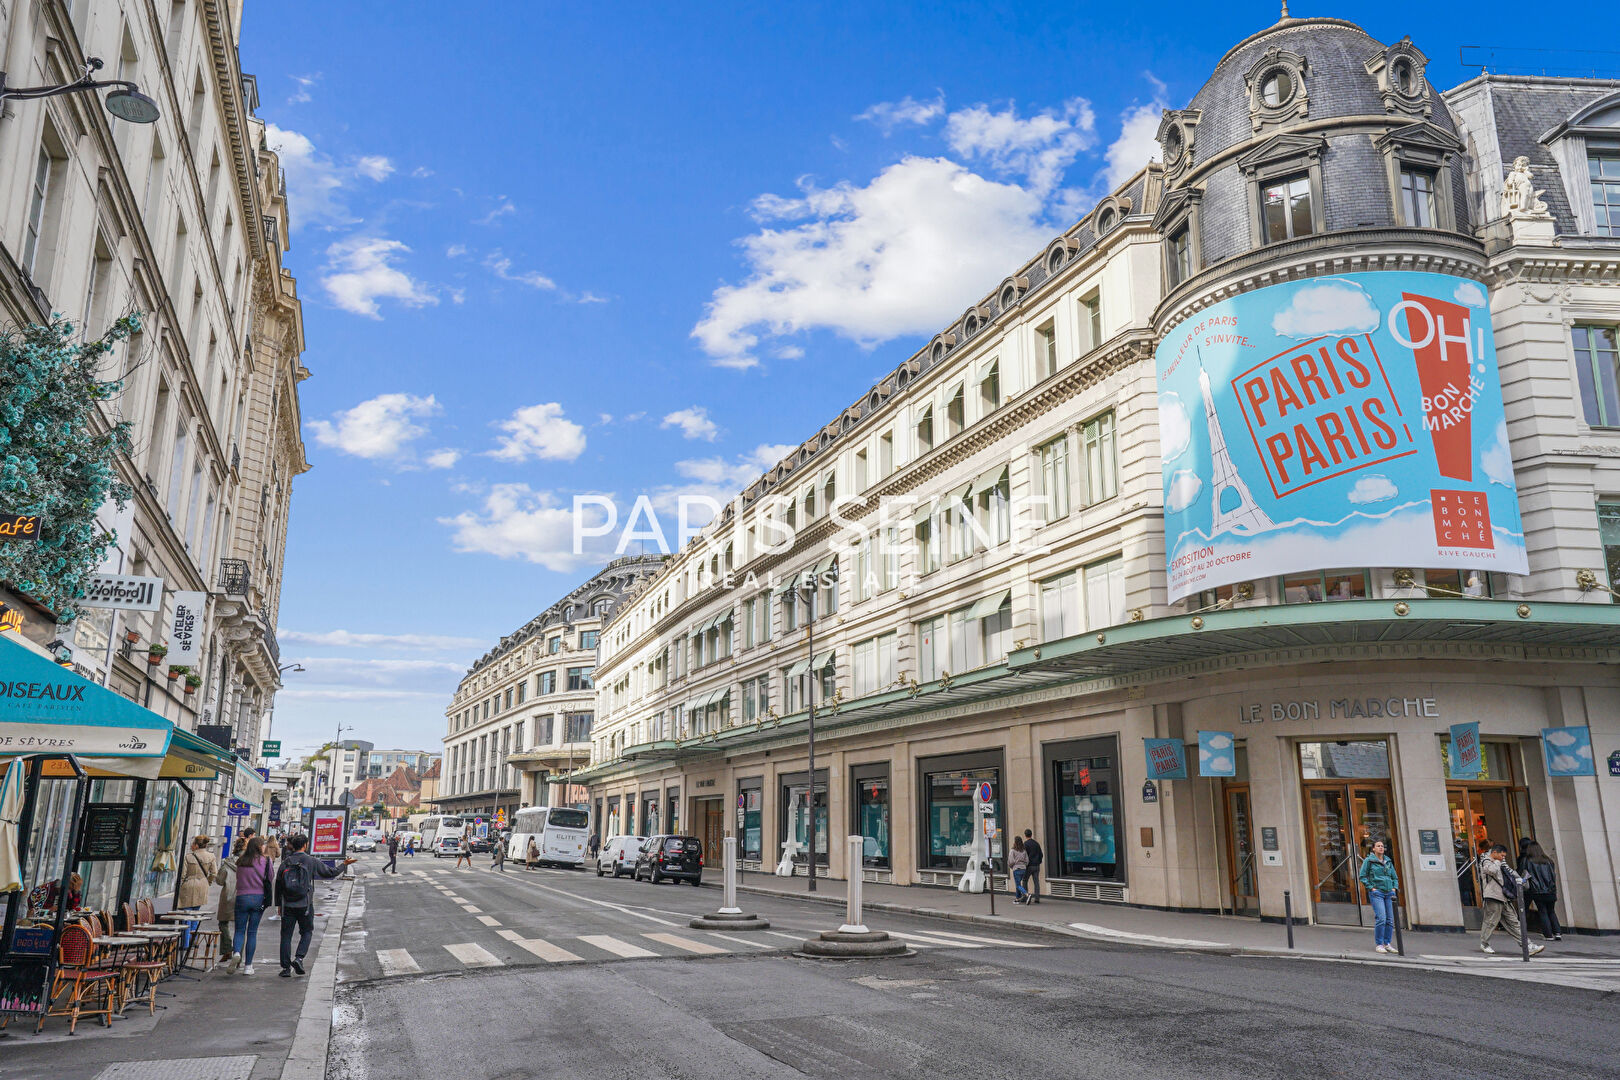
(234,577)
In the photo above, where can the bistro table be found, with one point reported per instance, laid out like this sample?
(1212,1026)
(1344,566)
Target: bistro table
(161,932)
(193,921)
(121,943)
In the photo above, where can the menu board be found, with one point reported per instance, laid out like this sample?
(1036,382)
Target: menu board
(326,835)
(109,832)
(22,988)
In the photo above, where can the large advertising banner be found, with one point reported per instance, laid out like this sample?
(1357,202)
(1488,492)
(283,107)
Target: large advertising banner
(1342,422)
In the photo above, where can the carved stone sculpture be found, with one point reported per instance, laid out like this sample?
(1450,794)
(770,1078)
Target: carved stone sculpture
(1520,197)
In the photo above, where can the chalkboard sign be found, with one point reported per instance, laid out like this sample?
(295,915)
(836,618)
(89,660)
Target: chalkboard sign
(22,988)
(109,832)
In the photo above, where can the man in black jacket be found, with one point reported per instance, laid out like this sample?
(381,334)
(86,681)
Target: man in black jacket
(393,853)
(295,895)
(1032,848)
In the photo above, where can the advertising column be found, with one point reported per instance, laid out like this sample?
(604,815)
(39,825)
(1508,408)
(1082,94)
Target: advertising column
(1352,421)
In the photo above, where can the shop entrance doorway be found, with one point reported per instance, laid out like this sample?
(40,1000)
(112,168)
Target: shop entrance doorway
(1480,817)
(709,815)
(1342,821)
(1240,854)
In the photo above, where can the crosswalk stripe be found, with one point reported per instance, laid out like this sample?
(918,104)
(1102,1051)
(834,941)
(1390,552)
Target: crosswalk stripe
(934,940)
(471,909)
(741,941)
(699,947)
(488,920)
(953,935)
(545,950)
(397,962)
(790,937)
(459,899)
(615,946)
(474,955)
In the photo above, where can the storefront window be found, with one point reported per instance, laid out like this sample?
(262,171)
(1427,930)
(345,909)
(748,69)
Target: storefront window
(872,814)
(1344,760)
(751,798)
(1494,760)
(672,799)
(1452,584)
(614,826)
(948,795)
(797,815)
(1333,585)
(147,881)
(1085,788)
(102,878)
(649,815)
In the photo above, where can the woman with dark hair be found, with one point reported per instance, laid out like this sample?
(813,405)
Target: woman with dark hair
(1540,875)
(254,874)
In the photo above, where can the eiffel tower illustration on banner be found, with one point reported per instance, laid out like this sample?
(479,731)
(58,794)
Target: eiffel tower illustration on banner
(1243,515)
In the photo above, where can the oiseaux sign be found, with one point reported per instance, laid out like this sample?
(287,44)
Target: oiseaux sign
(123,592)
(1351,421)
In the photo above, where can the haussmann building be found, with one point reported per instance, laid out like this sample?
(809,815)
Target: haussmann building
(1298,450)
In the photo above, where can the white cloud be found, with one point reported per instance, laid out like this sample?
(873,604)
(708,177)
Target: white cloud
(1183,491)
(1497,460)
(1564,763)
(693,422)
(1560,737)
(442,459)
(888,115)
(517,522)
(1372,489)
(374,167)
(360,270)
(316,184)
(501,266)
(1219,741)
(349,669)
(1137,143)
(304,85)
(503,207)
(790,352)
(539,431)
(458,295)
(421,172)
(590,298)
(1175,426)
(348,639)
(378,429)
(1469,295)
(724,478)
(901,255)
(1333,306)
(1037,147)
(455,251)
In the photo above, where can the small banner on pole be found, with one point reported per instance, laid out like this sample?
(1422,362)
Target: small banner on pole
(1465,759)
(1166,759)
(1216,756)
(1569,751)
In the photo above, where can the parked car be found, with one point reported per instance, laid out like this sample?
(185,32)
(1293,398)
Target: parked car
(678,858)
(618,855)
(482,843)
(446,844)
(362,842)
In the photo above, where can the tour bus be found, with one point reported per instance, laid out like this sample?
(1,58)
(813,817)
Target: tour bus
(441,834)
(559,833)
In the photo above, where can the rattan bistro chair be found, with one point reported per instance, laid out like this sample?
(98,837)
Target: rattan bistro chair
(76,974)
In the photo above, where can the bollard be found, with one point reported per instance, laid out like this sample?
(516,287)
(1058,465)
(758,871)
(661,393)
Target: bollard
(1524,919)
(853,920)
(1288,915)
(1395,913)
(728,906)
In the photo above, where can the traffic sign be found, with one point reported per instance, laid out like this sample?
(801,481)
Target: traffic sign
(986,792)
(269,748)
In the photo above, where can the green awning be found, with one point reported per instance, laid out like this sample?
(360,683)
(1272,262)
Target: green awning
(48,709)
(798,668)
(989,605)
(959,495)
(990,478)
(820,663)
(826,564)
(924,514)
(787,586)
(718,696)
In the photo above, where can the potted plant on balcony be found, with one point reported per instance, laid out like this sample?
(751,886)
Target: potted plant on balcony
(193,680)
(155,653)
(177,670)
(132,636)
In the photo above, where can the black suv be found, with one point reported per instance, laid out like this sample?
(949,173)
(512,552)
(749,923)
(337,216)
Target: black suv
(678,858)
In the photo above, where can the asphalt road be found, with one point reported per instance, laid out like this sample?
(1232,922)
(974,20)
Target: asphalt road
(559,974)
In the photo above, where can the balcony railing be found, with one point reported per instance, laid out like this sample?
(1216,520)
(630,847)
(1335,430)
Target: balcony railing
(234,577)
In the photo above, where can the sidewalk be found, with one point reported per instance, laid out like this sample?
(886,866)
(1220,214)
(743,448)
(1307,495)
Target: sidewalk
(218,1027)
(1170,929)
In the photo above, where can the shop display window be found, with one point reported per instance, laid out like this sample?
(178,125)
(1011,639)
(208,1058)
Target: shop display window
(872,804)
(949,814)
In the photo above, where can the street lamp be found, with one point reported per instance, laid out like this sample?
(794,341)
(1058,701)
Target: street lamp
(810,721)
(126,103)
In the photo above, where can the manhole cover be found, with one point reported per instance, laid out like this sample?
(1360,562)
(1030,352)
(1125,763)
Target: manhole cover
(204,1068)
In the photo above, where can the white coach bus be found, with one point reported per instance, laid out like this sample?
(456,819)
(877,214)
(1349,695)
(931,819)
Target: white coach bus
(559,833)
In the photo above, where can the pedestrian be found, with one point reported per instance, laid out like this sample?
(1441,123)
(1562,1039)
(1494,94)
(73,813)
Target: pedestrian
(197,871)
(272,851)
(295,896)
(1540,876)
(499,862)
(1032,881)
(393,853)
(595,846)
(1018,866)
(1501,888)
(464,851)
(225,878)
(1379,879)
(254,875)
(410,846)
(531,854)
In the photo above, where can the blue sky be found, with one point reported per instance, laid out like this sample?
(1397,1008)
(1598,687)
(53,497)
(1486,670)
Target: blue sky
(546,249)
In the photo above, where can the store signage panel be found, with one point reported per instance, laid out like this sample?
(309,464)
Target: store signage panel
(1466,763)
(19,526)
(184,627)
(1335,422)
(1569,751)
(123,592)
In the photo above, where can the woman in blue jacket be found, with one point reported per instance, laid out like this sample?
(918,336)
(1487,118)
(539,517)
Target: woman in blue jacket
(1378,875)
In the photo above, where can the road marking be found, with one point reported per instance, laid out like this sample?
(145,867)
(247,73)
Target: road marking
(620,908)
(545,950)
(790,937)
(699,947)
(474,955)
(471,909)
(615,946)
(488,921)
(397,962)
(741,941)
(934,941)
(459,899)
(1126,935)
(986,940)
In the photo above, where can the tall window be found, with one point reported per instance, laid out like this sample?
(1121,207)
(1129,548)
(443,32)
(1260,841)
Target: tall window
(865,577)
(1596,360)
(1046,354)
(889,559)
(1091,319)
(1105,593)
(1180,257)
(809,504)
(926,527)
(547,684)
(874,664)
(1609,532)
(886,453)
(1052,476)
(993,496)
(1102,461)
(955,414)
(177,472)
(1417,197)
(925,433)
(1603,166)
(861,481)
(44,209)
(979,632)
(990,389)
(1285,208)
(933,649)
(1060,607)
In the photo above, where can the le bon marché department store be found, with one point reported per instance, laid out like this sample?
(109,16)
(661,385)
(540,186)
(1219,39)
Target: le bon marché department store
(1318,415)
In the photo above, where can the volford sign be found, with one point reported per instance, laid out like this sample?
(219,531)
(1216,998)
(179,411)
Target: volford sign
(123,592)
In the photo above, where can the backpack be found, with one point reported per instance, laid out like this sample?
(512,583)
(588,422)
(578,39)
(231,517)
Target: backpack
(1510,883)
(295,882)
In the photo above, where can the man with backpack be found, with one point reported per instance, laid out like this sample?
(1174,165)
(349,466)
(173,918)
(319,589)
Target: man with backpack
(393,853)
(1501,887)
(295,894)
(1032,879)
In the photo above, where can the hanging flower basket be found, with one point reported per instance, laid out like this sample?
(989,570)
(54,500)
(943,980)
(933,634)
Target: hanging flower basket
(192,682)
(155,653)
(174,674)
(132,636)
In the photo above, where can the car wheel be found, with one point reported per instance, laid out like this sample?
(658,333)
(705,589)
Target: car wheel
(652,875)
(697,883)
(599,870)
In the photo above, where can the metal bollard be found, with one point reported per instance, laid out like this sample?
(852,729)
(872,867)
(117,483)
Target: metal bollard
(853,921)
(1288,915)
(1524,922)
(1395,914)
(728,905)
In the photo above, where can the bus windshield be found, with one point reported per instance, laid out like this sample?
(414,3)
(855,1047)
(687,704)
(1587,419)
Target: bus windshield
(564,818)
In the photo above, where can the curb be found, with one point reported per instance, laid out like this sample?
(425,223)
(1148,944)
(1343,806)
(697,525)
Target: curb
(307,1058)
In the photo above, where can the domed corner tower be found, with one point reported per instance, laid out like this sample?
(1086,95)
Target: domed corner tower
(1313,149)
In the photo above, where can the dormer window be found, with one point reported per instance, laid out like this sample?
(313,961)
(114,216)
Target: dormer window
(1417,198)
(1604,168)
(1276,88)
(1285,208)
(1401,77)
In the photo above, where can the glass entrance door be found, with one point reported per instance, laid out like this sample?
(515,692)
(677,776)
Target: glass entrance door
(710,818)
(1480,817)
(1240,853)
(1342,822)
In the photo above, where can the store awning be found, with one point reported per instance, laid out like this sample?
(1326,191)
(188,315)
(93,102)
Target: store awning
(989,605)
(189,758)
(718,696)
(47,709)
(820,663)
(991,478)
(923,514)
(798,668)
(826,564)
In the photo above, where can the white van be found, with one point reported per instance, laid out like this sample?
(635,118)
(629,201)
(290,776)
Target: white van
(618,855)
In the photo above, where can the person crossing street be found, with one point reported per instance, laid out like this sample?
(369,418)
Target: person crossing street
(295,895)
(393,854)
